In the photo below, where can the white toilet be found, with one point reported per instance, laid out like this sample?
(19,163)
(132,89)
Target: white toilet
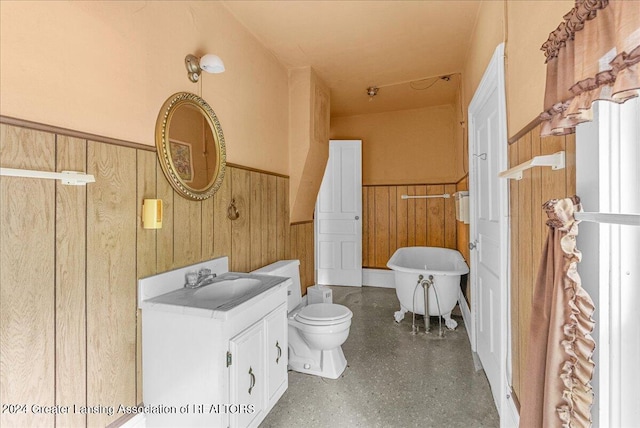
(316,331)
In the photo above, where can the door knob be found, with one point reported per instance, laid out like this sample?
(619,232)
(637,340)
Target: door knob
(473,245)
(357,217)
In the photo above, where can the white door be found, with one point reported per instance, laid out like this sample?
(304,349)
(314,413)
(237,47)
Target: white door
(338,216)
(489,222)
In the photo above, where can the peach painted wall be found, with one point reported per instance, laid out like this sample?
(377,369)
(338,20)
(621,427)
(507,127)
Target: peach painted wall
(405,147)
(487,34)
(309,102)
(528,24)
(114,64)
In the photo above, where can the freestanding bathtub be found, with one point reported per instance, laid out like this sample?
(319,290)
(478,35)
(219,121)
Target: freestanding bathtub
(445,265)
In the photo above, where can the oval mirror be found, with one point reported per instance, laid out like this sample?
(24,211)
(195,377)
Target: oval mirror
(190,146)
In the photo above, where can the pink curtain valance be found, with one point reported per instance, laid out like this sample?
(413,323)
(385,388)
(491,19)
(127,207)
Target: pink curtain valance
(593,55)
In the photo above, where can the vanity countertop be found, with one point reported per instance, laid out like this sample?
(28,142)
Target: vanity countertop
(229,294)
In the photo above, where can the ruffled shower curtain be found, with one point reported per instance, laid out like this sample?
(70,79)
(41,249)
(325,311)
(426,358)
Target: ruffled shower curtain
(557,385)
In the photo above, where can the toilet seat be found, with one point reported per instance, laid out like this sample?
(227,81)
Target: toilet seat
(320,314)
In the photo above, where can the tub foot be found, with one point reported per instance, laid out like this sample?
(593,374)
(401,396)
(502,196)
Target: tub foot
(399,315)
(449,322)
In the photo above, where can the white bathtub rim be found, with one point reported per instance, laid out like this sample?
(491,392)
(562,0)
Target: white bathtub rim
(423,271)
(460,268)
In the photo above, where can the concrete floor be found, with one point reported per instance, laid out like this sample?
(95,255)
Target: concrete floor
(393,379)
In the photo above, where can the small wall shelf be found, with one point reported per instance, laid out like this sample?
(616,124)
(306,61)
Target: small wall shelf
(73,178)
(555,161)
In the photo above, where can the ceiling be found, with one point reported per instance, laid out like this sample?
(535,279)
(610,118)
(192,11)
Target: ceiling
(402,47)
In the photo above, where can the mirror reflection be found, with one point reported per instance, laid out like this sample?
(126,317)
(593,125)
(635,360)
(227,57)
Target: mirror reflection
(190,146)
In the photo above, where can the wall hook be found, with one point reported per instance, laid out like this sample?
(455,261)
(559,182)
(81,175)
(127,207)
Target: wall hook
(232,211)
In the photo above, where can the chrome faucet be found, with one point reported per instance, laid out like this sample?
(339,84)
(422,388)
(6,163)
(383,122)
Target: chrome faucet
(199,279)
(206,279)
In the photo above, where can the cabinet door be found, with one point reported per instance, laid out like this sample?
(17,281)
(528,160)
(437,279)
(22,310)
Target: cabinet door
(277,352)
(247,376)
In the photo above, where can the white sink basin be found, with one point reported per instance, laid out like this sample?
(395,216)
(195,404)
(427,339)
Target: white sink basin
(227,290)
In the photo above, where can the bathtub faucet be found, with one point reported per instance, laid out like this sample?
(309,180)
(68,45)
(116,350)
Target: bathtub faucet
(425,284)
(414,327)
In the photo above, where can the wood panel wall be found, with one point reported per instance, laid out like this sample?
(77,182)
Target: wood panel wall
(27,307)
(529,231)
(389,222)
(70,257)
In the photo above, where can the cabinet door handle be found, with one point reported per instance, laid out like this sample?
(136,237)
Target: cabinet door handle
(279,352)
(253,380)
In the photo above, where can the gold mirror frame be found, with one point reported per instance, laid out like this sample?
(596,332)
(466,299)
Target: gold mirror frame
(163,125)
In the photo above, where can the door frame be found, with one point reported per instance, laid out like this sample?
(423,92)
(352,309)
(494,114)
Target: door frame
(493,80)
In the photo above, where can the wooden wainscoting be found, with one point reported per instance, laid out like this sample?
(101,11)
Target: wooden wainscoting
(389,222)
(27,278)
(529,231)
(71,256)
(302,248)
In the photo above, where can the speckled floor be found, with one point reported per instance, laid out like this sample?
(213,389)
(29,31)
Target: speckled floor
(393,379)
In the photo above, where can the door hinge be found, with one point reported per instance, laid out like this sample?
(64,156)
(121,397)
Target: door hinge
(228,358)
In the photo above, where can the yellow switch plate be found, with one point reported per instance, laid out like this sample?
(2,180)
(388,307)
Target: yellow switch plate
(152,214)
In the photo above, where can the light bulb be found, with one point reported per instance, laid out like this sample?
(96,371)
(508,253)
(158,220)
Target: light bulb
(211,64)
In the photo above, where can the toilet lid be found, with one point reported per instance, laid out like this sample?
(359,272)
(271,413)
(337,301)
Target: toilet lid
(324,313)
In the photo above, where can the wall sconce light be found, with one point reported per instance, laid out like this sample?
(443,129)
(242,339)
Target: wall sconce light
(152,214)
(209,63)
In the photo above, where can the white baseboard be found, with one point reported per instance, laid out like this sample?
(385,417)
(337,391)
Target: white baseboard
(510,417)
(466,316)
(477,364)
(378,278)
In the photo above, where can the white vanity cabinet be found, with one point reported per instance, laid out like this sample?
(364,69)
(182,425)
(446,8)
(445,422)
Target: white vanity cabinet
(247,375)
(211,368)
(258,367)
(277,350)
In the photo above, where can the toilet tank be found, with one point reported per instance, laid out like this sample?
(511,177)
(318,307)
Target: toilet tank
(287,269)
